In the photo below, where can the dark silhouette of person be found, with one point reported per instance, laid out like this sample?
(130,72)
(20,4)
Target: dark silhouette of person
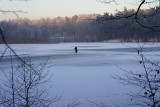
(138,51)
(75,49)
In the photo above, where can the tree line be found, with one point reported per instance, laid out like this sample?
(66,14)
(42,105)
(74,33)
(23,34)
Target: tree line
(127,26)
(49,30)
(84,28)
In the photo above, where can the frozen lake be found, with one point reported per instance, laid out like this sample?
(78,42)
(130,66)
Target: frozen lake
(86,77)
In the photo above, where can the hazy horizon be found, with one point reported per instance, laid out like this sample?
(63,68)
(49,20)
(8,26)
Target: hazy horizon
(53,8)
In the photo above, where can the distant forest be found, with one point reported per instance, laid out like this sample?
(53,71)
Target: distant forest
(82,28)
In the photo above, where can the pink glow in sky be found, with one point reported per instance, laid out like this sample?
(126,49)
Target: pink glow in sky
(54,8)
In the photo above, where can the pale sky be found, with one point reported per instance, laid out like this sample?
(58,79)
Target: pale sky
(54,8)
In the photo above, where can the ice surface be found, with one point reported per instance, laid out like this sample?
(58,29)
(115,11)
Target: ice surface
(86,77)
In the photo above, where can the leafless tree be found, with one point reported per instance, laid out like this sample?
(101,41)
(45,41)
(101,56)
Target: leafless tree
(23,85)
(136,16)
(148,79)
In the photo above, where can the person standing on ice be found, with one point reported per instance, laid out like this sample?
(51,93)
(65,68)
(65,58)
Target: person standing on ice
(75,49)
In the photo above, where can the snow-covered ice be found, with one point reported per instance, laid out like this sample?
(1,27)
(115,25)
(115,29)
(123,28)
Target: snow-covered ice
(86,77)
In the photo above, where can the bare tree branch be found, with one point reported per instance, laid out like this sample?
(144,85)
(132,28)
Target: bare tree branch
(16,13)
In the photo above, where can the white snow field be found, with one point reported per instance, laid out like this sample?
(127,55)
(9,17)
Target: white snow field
(87,77)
